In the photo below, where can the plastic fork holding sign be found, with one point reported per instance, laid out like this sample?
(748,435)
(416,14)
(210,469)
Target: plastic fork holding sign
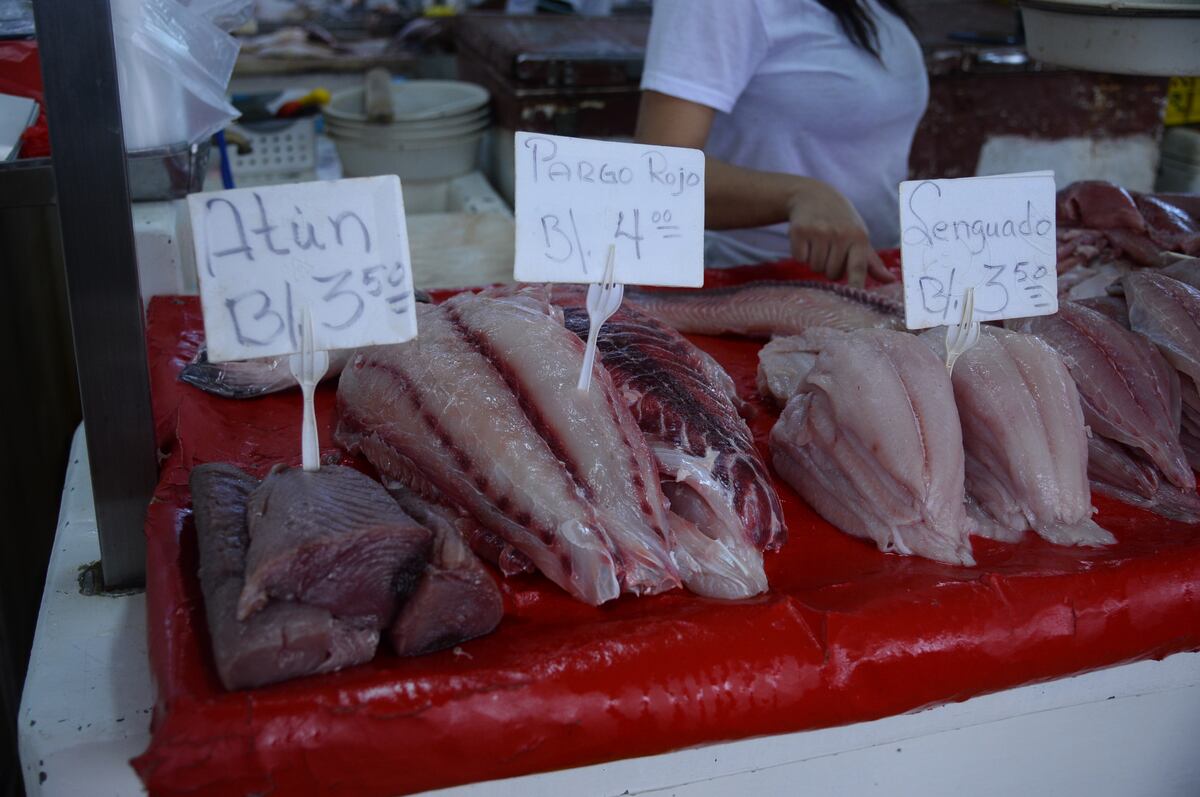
(962,336)
(308,367)
(603,299)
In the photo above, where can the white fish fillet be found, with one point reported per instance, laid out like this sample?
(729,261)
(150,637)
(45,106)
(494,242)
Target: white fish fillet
(873,442)
(1024,437)
(591,433)
(436,405)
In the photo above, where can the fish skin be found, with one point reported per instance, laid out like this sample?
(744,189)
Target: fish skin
(1191,446)
(873,442)
(245,379)
(591,432)
(1024,438)
(767,308)
(248,379)
(1128,391)
(1169,502)
(438,404)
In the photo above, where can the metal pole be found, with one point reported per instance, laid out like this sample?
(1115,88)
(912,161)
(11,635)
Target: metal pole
(79,73)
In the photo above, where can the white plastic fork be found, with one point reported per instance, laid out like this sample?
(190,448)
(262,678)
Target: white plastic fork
(602,301)
(308,367)
(962,336)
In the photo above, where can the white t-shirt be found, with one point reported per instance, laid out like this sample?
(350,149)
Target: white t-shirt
(794,94)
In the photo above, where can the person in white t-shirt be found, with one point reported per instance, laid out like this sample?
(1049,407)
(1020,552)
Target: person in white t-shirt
(806,110)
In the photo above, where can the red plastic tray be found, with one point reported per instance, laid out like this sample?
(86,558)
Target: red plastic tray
(845,634)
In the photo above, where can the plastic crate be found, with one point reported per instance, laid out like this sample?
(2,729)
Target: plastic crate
(282,151)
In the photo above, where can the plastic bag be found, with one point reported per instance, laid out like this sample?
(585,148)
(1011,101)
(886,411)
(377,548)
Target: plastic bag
(173,65)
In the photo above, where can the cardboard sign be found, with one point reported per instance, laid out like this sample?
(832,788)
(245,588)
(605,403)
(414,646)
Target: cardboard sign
(336,248)
(993,234)
(575,197)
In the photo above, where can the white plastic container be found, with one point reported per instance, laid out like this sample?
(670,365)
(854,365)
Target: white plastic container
(1133,37)
(414,101)
(410,160)
(403,134)
(435,136)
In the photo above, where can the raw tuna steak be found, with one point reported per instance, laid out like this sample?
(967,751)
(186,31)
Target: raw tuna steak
(333,538)
(456,599)
(282,640)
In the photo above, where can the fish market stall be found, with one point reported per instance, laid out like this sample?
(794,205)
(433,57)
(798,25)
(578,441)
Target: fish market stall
(707,531)
(846,634)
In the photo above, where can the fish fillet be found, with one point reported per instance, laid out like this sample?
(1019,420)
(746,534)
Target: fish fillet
(1118,472)
(1113,307)
(1167,312)
(1025,442)
(873,442)
(332,538)
(243,379)
(591,433)
(456,600)
(1099,205)
(782,365)
(284,639)
(246,379)
(709,467)
(764,309)
(1184,269)
(438,407)
(1128,391)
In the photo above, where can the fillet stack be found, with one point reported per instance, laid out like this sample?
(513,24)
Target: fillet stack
(303,571)
(481,414)
(687,408)
(1130,397)
(1025,441)
(871,439)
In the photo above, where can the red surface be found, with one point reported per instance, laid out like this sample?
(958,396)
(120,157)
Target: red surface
(845,634)
(21,76)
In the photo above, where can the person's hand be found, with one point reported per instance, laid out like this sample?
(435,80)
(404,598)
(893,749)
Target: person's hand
(827,233)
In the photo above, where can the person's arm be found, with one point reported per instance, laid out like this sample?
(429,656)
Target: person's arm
(825,230)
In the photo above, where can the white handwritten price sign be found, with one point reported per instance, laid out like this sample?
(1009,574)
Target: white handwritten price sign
(575,197)
(994,235)
(336,249)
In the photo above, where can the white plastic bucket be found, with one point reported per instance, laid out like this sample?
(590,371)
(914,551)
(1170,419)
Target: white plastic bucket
(436,133)
(414,101)
(410,160)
